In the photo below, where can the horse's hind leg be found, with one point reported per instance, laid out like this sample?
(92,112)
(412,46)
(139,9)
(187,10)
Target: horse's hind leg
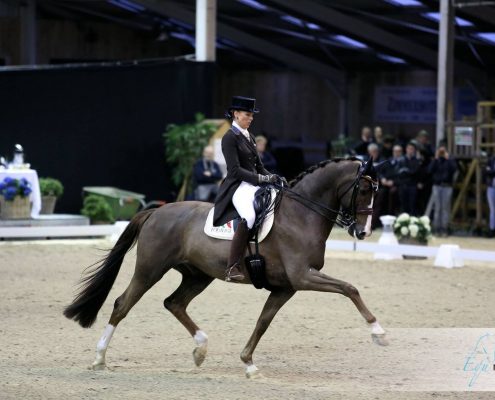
(193,283)
(139,285)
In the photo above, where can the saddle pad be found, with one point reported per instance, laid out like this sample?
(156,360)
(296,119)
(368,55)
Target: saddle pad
(226,231)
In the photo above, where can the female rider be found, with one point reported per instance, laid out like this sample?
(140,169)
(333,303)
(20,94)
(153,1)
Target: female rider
(245,172)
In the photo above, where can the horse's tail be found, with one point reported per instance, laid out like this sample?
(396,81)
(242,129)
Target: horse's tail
(98,281)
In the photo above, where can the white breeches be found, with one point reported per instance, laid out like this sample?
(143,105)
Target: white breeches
(243,202)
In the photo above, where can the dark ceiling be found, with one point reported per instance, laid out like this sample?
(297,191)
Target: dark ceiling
(323,37)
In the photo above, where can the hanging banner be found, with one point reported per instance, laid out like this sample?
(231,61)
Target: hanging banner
(418,104)
(406,104)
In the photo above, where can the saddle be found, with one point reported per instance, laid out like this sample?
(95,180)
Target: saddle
(264,203)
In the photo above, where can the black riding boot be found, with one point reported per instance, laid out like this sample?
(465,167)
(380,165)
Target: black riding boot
(237,249)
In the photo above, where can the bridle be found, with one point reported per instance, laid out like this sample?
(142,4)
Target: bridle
(346,216)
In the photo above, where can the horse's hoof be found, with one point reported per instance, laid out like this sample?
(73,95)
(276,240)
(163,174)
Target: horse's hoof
(252,372)
(97,367)
(199,355)
(380,340)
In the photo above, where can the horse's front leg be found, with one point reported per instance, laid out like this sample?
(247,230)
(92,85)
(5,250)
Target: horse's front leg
(274,303)
(312,279)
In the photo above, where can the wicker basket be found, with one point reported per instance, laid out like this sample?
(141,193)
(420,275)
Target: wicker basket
(415,242)
(19,208)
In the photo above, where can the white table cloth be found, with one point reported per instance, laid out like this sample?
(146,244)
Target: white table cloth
(32,177)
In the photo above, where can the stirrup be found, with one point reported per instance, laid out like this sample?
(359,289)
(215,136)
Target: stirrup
(236,276)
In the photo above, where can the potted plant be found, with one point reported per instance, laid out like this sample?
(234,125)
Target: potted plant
(412,230)
(97,210)
(51,189)
(14,198)
(184,145)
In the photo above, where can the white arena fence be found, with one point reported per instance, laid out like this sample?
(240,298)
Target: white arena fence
(442,254)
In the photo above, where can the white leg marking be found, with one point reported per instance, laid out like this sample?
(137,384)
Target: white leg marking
(367,228)
(376,329)
(101,347)
(199,353)
(252,371)
(200,338)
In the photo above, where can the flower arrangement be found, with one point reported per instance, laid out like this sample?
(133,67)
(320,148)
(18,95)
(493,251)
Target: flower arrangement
(11,187)
(406,226)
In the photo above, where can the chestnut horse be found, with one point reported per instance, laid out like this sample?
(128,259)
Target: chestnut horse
(172,237)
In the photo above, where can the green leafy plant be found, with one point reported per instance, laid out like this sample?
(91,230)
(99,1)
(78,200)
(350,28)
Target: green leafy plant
(51,187)
(184,145)
(97,209)
(406,226)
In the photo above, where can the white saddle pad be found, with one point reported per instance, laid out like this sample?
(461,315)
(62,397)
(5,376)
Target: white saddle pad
(226,231)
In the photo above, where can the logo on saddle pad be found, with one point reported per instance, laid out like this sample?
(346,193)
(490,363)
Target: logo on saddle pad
(226,231)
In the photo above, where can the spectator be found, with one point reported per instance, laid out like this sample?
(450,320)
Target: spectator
(388,192)
(490,192)
(424,146)
(374,153)
(425,156)
(207,174)
(378,135)
(266,157)
(362,148)
(386,147)
(408,179)
(442,170)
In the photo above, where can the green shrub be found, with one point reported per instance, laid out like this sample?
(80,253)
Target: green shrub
(51,187)
(97,209)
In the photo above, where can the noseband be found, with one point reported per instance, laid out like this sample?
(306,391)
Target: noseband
(345,217)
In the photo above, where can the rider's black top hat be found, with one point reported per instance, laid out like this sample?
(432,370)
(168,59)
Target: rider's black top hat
(243,104)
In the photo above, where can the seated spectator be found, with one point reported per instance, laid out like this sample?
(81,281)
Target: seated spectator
(366,138)
(206,174)
(490,193)
(267,158)
(442,170)
(408,179)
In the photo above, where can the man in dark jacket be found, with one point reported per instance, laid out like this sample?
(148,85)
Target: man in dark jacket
(408,179)
(442,170)
(207,174)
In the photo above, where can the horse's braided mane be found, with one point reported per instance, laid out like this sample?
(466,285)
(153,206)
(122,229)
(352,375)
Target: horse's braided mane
(321,164)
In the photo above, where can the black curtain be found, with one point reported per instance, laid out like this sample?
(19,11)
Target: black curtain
(101,126)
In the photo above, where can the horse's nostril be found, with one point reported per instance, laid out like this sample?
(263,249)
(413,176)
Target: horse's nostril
(361,234)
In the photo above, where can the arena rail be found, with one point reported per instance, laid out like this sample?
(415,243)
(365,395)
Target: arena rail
(112,231)
(410,250)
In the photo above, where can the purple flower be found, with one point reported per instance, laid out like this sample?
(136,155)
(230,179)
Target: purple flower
(10,193)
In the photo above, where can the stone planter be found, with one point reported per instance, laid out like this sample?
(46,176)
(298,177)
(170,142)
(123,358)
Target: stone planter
(48,204)
(414,242)
(18,208)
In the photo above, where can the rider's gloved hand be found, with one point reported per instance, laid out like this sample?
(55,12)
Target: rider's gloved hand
(272,178)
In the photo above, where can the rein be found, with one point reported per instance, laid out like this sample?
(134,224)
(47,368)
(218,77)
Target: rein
(345,217)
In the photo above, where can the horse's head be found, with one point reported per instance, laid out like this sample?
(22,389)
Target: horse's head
(357,200)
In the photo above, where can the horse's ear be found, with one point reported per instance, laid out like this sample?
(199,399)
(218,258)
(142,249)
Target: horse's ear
(367,166)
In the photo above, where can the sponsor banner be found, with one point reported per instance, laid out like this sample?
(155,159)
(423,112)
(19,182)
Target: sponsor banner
(417,104)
